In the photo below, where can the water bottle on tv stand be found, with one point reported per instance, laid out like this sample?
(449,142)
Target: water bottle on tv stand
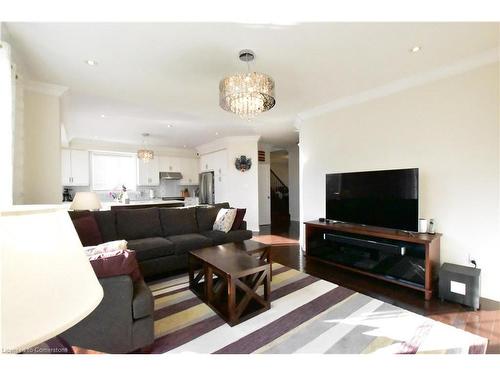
(431,229)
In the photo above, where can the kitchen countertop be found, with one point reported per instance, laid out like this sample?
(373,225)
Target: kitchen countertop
(108,205)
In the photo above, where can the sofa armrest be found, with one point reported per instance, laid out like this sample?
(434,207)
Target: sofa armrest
(142,303)
(109,327)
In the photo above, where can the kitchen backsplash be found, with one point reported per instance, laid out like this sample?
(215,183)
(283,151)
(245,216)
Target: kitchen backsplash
(167,188)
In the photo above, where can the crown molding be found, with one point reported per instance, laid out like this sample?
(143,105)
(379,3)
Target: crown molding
(44,88)
(460,67)
(224,142)
(111,146)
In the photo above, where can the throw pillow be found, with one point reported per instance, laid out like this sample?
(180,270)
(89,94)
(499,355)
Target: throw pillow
(115,263)
(106,247)
(88,230)
(225,219)
(238,220)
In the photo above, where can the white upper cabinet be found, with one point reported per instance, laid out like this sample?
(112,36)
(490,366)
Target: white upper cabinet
(206,162)
(188,167)
(169,164)
(216,162)
(148,173)
(190,171)
(66,167)
(75,167)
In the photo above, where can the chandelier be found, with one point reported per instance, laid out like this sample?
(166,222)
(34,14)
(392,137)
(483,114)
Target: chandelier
(144,154)
(247,94)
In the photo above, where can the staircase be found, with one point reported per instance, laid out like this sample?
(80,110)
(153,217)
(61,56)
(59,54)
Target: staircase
(279,200)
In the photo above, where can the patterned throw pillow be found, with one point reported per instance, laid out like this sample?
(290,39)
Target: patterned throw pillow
(113,259)
(225,219)
(106,247)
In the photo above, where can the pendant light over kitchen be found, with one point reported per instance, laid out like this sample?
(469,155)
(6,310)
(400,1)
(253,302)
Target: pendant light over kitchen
(145,154)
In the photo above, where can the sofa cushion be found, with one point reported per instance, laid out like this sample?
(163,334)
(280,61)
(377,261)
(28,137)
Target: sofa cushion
(238,235)
(217,237)
(178,221)
(107,225)
(138,223)
(206,215)
(187,242)
(222,205)
(149,248)
(238,220)
(88,230)
(142,304)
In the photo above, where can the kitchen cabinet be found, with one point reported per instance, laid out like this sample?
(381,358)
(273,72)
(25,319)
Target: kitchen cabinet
(207,162)
(188,167)
(74,167)
(189,170)
(148,173)
(169,164)
(216,162)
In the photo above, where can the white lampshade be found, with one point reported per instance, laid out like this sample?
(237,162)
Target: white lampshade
(47,282)
(85,200)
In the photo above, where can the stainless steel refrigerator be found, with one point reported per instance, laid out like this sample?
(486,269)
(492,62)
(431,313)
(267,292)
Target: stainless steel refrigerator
(207,191)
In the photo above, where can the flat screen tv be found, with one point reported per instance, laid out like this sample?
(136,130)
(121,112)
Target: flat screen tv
(387,198)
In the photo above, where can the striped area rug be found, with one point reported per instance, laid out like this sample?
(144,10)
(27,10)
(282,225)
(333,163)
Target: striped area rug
(307,315)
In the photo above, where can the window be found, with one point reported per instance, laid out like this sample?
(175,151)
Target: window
(111,171)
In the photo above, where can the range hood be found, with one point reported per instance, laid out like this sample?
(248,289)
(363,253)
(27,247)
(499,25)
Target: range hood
(170,176)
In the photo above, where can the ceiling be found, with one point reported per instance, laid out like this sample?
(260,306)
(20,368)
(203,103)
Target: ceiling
(151,75)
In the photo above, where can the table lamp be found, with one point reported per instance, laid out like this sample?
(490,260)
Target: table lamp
(47,282)
(85,200)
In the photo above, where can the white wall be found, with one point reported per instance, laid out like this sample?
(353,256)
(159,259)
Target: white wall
(450,130)
(6,126)
(242,188)
(293,182)
(18,157)
(42,149)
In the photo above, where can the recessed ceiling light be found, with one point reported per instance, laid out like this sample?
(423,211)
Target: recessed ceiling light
(103,116)
(185,146)
(416,49)
(169,126)
(91,62)
(216,133)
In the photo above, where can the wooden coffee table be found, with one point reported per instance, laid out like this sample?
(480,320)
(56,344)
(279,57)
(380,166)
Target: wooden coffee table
(227,278)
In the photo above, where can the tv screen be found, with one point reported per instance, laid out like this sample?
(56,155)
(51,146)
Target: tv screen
(386,198)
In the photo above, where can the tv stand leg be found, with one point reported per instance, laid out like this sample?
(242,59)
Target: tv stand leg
(428,295)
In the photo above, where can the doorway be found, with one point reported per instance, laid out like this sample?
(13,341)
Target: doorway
(279,186)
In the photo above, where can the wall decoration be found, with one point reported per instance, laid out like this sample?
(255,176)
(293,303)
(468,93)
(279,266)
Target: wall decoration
(243,163)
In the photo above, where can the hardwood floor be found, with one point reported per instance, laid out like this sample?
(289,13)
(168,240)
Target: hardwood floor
(485,322)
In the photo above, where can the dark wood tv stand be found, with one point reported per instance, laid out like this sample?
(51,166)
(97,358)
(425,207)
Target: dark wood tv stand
(404,258)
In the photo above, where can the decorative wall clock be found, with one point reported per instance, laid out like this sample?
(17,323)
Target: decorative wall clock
(243,163)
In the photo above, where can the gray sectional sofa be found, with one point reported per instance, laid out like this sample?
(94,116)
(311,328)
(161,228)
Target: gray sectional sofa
(163,237)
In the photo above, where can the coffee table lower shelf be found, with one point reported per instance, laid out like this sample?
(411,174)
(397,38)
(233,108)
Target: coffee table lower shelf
(221,307)
(234,297)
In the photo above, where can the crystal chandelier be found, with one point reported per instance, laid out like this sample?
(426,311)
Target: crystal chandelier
(247,94)
(144,154)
